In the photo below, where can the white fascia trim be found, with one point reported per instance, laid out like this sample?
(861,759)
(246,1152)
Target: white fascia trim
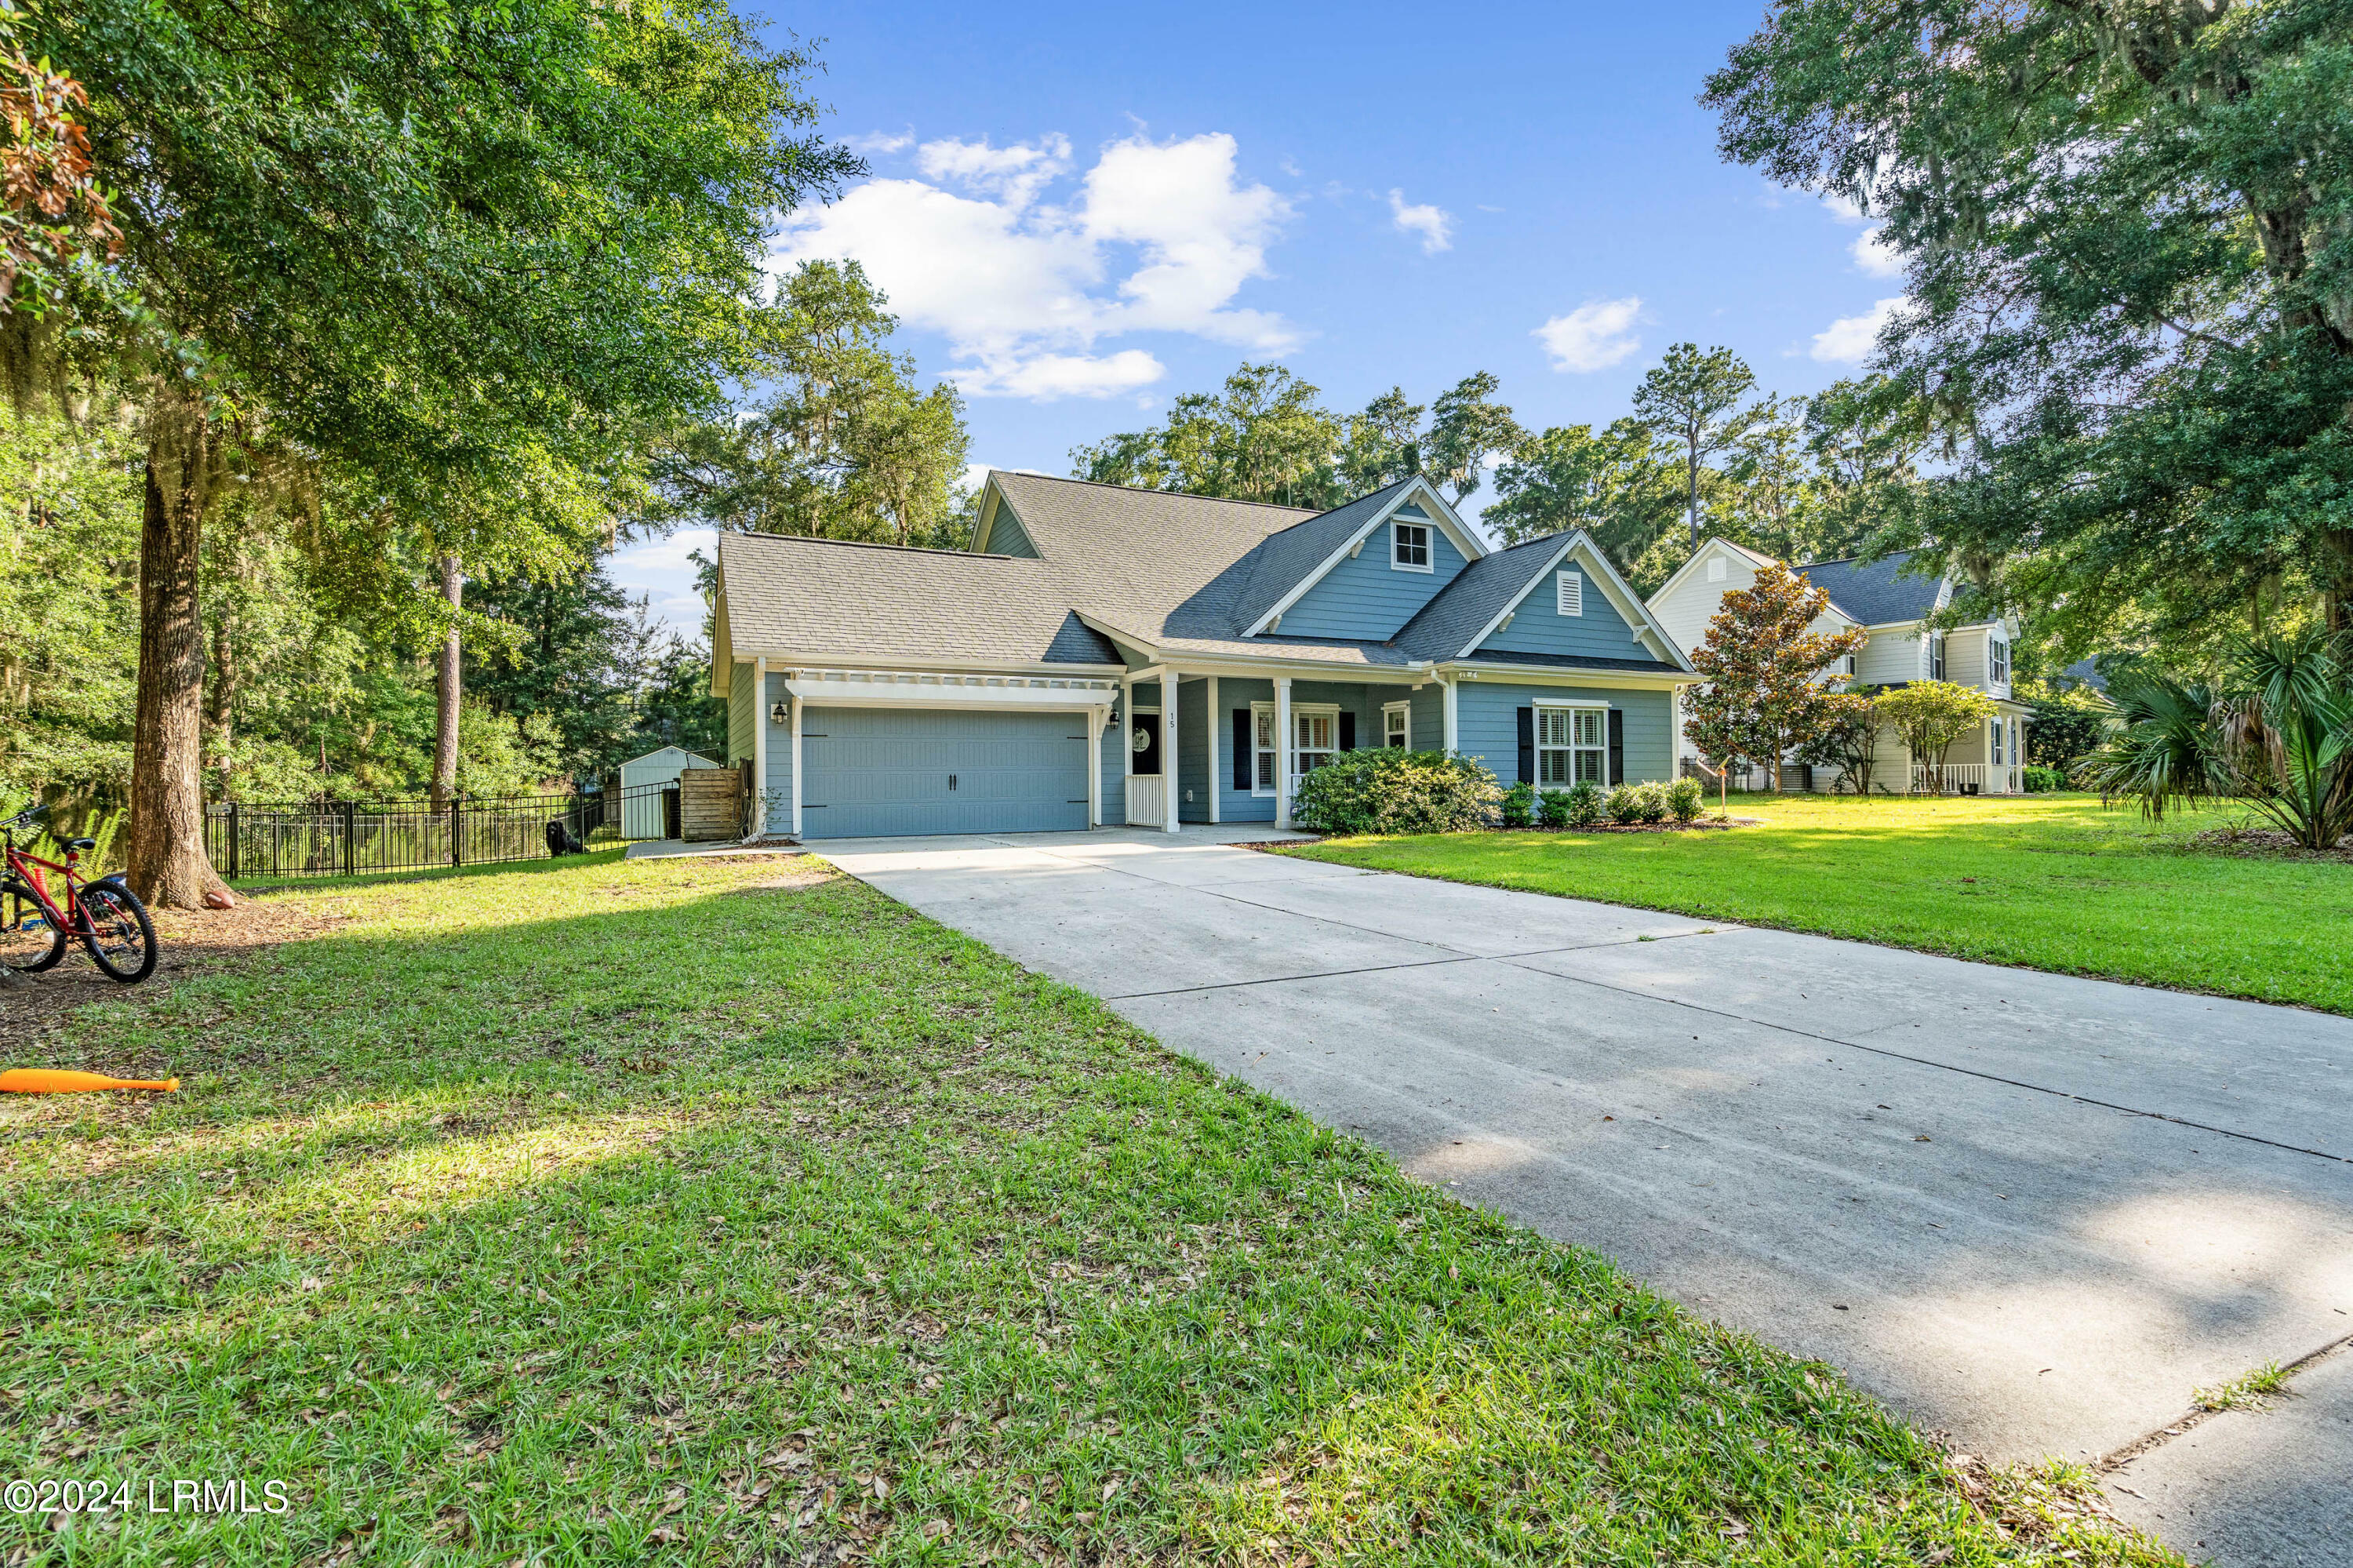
(984,515)
(1615,680)
(853,659)
(1415,489)
(1712,542)
(1632,610)
(948,689)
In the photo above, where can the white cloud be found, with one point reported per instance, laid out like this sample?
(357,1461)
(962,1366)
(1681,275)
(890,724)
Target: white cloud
(879,143)
(1876,256)
(1850,339)
(1160,237)
(1594,336)
(1045,375)
(1845,208)
(1435,225)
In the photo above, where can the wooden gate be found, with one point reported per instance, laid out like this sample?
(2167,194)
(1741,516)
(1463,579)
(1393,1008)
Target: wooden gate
(711,804)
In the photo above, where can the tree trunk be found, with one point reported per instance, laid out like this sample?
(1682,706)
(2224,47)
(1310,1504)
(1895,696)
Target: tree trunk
(1691,480)
(445,737)
(168,865)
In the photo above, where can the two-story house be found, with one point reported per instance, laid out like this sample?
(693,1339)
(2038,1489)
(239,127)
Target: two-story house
(1894,607)
(1099,655)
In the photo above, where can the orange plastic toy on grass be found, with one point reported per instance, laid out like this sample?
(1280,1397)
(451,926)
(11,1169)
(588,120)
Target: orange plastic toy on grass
(61,1081)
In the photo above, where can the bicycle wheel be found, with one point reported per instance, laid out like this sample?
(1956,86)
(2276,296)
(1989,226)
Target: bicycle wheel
(119,938)
(28,943)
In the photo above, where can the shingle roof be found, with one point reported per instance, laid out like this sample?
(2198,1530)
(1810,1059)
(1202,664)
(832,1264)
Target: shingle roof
(1877,592)
(1444,626)
(821,595)
(1284,559)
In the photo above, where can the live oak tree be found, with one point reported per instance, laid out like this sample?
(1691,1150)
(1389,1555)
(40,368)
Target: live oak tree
(842,444)
(1763,665)
(2131,283)
(407,241)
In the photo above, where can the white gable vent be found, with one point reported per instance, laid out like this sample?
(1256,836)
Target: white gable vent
(1569,589)
(1715,569)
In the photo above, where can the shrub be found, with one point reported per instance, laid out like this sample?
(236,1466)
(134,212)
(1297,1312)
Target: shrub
(1585,805)
(1519,805)
(1387,790)
(1551,807)
(1650,802)
(1685,799)
(2043,781)
(1626,805)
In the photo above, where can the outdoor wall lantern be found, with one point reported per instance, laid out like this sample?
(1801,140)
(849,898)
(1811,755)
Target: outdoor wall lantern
(780,714)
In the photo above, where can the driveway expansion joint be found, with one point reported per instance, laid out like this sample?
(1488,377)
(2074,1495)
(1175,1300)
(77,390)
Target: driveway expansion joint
(2108,1463)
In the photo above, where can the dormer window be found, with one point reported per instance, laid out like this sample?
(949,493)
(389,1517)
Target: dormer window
(1409,546)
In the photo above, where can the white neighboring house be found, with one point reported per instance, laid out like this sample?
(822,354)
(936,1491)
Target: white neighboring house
(1891,604)
(641,807)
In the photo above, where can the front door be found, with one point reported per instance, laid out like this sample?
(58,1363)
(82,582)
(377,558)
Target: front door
(1144,740)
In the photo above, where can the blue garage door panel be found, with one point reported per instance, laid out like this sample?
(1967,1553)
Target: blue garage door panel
(879,772)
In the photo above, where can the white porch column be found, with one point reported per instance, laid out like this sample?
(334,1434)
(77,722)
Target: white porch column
(1282,744)
(1168,769)
(797,705)
(1446,704)
(1096,719)
(1126,752)
(759,812)
(1217,771)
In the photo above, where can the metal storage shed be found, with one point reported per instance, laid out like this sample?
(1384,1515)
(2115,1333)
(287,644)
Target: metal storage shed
(641,777)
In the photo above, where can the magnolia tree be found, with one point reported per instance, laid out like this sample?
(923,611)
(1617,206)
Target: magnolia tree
(1929,715)
(1764,665)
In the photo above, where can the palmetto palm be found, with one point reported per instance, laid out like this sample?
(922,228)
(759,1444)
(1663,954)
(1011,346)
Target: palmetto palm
(2277,734)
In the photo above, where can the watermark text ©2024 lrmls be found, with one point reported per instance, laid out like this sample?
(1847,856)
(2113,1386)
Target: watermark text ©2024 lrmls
(154,1496)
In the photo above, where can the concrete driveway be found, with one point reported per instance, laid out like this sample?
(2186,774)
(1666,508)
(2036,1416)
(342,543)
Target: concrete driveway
(2032,1211)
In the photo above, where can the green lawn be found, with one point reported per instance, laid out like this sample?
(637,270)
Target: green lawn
(2050,882)
(719,1212)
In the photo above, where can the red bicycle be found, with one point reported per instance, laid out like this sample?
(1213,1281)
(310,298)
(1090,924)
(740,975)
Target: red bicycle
(105,914)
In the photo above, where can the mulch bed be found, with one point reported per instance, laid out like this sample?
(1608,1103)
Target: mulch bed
(2267,844)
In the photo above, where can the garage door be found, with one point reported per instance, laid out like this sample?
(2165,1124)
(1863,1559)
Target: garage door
(885,772)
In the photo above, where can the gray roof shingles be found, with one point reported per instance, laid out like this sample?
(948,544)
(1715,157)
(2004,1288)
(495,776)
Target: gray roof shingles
(1877,592)
(835,598)
(1187,573)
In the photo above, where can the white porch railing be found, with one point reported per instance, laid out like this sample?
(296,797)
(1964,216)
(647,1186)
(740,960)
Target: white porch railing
(1147,800)
(1965,779)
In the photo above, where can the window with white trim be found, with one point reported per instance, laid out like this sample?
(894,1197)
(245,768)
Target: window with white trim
(1409,546)
(1263,743)
(1572,747)
(1936,655)
(1997,743)
(1568,592)
(1997,660)
(1315,736)
(1846,665)
(1396,726)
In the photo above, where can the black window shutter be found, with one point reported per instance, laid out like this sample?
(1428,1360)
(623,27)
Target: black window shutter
(1617,746)
(1347,732)
(1245,754)
(1528,746)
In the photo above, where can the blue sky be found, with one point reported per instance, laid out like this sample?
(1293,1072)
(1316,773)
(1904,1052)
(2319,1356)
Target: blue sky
(1079,211)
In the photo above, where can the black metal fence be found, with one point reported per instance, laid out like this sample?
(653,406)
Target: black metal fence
(350,837)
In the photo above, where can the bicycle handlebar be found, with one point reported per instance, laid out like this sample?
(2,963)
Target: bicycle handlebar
(32,812)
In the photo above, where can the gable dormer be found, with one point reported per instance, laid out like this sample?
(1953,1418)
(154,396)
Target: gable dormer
(999,530)
(1380,569)
(1576,607)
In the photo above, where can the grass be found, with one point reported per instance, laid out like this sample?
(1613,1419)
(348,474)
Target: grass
(596,1210)
(2048,881)
(2248,1391)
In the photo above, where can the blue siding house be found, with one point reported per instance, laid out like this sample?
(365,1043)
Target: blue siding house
(1104,656)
